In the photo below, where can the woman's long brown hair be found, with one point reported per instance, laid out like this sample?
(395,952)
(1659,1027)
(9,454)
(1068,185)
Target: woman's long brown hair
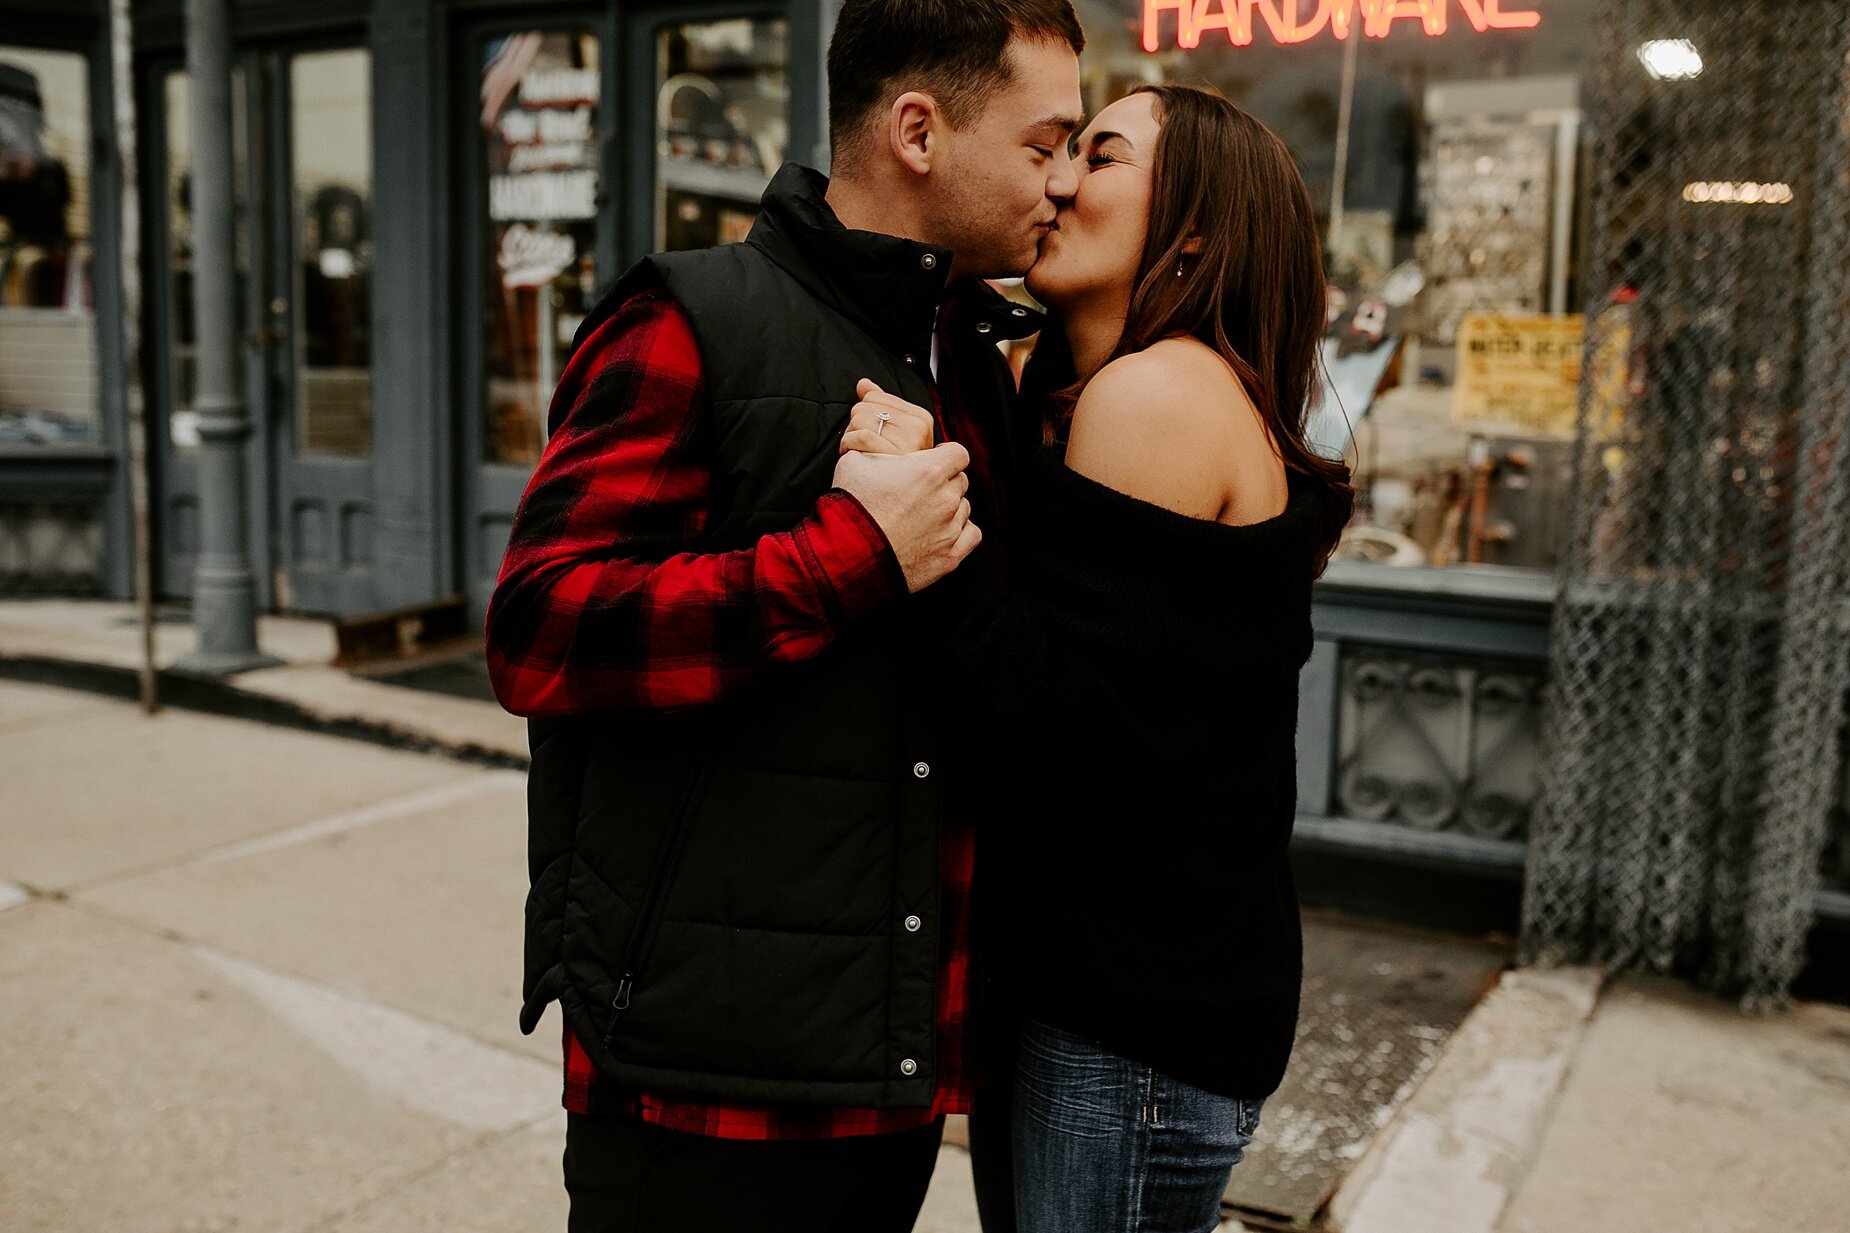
(1255,291)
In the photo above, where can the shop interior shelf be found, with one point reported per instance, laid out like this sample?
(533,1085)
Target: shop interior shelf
(681,175)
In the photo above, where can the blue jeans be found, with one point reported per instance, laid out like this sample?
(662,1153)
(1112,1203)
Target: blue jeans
(1103,1144)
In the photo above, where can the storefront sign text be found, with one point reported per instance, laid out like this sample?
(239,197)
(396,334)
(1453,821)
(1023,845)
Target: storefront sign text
(1298,21)
(543,195)
(531,257)
(1518,372)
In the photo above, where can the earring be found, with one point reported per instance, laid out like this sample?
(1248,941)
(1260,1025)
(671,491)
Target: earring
(1178,267)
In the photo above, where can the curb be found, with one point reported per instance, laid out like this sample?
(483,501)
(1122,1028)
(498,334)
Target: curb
(216,696)
(1459,1148)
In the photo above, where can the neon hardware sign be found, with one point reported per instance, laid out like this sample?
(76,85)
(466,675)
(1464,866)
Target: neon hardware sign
(1298,21)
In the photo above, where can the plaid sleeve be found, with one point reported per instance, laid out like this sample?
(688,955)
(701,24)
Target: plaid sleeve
(601,604)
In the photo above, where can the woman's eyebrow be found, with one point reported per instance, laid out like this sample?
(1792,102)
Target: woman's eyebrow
(1097,140)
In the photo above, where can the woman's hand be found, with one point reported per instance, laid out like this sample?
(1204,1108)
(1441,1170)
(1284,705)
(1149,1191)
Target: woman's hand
(908,429)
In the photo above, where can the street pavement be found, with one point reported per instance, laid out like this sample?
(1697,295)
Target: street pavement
(261,979)
(258,978)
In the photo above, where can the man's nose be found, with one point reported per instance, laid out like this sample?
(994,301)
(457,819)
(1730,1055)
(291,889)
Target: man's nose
(1064,181)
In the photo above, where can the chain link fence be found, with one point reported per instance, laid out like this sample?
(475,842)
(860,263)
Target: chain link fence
(1701,643)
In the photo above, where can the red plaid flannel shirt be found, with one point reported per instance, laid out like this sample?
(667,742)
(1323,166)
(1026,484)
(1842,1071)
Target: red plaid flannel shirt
(599,606)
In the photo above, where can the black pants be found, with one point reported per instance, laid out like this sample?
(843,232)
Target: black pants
(626,1176)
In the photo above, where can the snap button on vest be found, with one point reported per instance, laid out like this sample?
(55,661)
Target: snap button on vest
(912,924)
(921,769)
(983,327)
(929,261)
(908,1067)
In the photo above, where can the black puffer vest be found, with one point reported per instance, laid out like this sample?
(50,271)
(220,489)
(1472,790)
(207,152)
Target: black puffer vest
(741,900)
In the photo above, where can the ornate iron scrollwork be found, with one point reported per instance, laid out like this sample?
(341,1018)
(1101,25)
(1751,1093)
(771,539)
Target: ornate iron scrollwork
(1437,743)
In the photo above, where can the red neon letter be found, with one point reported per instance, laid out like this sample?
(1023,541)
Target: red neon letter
(1342,14)
(1289,23)
(1185,21)
(1431,15)
(1238,23)
(1282,17)
(1488,15)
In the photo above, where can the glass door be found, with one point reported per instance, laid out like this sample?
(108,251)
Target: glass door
(320,318)
(302,143)
(554,185)
(537,243)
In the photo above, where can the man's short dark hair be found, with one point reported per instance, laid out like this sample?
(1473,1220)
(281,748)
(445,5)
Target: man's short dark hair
(954,50)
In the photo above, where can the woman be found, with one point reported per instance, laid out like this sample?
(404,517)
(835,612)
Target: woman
(1134,677)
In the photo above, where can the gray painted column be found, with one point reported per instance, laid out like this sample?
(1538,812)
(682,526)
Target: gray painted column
(224,590)
(812,24)
(413,445)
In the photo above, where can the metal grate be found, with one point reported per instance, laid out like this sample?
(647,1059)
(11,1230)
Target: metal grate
(1702,638)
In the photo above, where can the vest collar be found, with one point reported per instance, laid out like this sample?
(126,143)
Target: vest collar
(888,285)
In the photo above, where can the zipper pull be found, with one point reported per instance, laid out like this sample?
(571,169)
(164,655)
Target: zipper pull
(620,1003)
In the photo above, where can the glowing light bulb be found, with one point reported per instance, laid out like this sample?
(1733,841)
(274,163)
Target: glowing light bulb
(1670,59)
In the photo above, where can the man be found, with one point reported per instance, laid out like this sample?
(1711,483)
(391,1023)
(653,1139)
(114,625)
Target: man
(750,867)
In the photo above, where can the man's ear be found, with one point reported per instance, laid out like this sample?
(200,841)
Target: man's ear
(912,130)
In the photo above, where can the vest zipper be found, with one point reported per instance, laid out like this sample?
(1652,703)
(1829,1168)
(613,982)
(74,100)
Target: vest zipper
(651,906)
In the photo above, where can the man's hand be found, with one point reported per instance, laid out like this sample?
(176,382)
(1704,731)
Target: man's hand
(918,500)
(909,427)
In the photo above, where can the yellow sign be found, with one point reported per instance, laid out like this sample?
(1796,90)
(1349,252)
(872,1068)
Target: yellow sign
(1518,372)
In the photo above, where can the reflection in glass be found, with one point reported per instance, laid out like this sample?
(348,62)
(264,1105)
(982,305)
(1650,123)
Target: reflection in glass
(331,162)
(540,94)
(48,391)
(722,127)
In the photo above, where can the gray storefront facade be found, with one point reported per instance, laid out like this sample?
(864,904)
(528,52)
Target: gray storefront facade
(398,263)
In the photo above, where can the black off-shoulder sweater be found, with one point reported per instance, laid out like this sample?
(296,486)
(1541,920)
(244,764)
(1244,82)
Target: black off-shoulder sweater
(1132,690)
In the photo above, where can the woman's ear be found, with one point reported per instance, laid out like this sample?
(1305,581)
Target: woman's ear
(1192,245)
(911,130)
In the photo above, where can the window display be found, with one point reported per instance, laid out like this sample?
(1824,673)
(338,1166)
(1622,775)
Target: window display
(48,393)
(540,97)
(1440,141)
(721,128)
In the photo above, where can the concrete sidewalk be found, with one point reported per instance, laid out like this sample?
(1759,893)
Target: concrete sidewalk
(261,978)
(1571,1105)
(98,645)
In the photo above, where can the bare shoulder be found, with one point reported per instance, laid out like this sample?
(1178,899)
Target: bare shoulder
(1170,425)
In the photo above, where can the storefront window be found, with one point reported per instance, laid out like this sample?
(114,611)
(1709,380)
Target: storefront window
(48,384)
(722,126)
(332,160)
(1440,141)
(540,96)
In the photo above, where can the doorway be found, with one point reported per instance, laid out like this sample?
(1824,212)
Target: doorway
(302,142)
